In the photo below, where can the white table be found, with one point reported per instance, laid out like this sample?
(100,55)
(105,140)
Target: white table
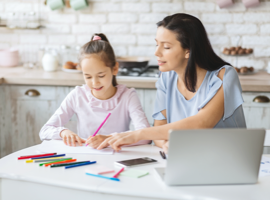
(19,180)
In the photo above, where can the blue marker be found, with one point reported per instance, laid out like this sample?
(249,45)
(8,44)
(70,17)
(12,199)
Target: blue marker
(81,164)
(100,176)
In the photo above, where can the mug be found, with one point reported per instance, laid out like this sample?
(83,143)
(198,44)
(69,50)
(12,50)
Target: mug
(78,4)
(55,4)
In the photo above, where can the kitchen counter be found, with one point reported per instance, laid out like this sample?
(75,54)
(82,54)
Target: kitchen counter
(23,76)
(258,82)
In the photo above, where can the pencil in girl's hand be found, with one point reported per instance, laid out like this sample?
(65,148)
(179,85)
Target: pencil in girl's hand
(100,126)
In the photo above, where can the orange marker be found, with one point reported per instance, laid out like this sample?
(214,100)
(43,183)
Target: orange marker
(61,162)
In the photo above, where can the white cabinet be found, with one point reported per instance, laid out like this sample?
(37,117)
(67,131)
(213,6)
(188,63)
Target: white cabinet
(147,98)
(24,110)
(257,114)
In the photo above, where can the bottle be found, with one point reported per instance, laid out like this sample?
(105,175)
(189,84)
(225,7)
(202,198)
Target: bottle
(50,60)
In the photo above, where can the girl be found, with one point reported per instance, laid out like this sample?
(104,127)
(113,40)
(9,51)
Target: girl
(93,101)
(196,90)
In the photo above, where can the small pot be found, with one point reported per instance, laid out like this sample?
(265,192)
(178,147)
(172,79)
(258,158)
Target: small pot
(133,62)
(9,58)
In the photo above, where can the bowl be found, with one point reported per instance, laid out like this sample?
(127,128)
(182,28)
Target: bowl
(132,62)
(9,58)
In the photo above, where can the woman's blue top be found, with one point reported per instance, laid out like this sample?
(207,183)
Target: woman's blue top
(177,107)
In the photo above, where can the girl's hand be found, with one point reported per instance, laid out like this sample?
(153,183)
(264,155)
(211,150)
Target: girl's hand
(95,141)
(120,139)
(70,138)
(165,147)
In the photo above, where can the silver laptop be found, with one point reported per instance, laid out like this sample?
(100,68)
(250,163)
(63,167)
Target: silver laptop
(213,156)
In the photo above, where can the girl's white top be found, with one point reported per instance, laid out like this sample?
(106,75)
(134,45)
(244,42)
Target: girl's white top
(124,107)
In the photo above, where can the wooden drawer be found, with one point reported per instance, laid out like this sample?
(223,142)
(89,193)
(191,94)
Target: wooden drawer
(249,96)
(33,92)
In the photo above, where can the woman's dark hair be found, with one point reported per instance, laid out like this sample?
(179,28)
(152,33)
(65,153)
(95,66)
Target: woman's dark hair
(192,36)
(102,48)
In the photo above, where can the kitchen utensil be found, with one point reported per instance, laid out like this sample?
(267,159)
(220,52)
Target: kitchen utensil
(133,62)
(250,3)
(78,4)
(55,4)
(9,57)
(224,3)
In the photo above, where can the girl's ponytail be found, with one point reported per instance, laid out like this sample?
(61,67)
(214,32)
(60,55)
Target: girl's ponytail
(101,46)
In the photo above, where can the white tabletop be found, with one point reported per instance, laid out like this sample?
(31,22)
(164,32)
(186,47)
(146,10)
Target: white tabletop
(148,186)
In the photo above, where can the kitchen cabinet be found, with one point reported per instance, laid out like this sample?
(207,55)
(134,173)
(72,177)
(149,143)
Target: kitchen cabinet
(257,114)
(147,98)
(24,110)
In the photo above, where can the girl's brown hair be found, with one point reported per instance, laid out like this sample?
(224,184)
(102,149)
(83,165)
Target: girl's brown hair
(102,48)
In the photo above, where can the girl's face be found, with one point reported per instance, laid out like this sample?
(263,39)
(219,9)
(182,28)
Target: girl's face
(98,77)
(169,52)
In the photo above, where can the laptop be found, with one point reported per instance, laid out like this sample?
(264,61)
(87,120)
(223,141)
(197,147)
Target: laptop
(213,156)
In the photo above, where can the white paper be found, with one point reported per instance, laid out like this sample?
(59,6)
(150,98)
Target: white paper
(267,139)
(58,146)
(265,166)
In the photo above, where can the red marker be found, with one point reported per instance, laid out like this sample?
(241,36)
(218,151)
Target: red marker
(115,176)
(36,156)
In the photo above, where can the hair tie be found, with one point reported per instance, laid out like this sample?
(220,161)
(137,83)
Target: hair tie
(96,37)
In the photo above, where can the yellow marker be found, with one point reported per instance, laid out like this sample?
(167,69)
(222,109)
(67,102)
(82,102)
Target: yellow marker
(44,159)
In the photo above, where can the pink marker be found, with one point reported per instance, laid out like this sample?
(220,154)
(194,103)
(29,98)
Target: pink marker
(100,126)
(115,176)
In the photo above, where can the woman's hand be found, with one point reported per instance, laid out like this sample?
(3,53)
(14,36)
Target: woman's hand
(165,147)
(120,139)
(70,138)
(95,141)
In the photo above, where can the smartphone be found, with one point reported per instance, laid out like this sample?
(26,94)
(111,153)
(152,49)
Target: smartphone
(135,162)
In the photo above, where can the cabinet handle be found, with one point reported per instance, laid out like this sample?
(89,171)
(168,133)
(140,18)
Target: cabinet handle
(32,93)
(261,99)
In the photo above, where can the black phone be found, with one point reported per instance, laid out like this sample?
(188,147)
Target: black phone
(135,162)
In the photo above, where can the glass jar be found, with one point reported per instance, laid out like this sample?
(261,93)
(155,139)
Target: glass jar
(69,54)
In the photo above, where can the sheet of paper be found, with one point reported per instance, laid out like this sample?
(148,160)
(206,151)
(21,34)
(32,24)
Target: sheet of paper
(265,166)
(134,173)
(267,139)
(58,146)
(99,169)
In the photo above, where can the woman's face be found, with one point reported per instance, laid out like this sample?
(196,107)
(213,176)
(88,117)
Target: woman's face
(169,52)
(98,77)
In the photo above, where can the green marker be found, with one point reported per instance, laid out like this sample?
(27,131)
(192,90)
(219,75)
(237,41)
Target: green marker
(55,161)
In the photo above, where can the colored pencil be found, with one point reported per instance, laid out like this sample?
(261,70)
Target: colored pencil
(43,160)
(49,159)
(60,162)
(117,174)
(100,126)
(35,156)
(81,164)
(59,155)
(66,164)
(101,176)
(55,161)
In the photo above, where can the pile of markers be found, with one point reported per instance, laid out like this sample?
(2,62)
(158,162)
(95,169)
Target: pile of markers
(53,160)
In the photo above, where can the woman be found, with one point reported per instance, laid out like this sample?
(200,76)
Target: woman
(196,90)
